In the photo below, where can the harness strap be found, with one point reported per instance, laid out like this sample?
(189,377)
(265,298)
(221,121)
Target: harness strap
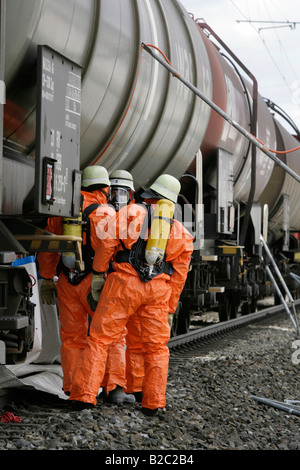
(136,256)
(125,256)
(87,250)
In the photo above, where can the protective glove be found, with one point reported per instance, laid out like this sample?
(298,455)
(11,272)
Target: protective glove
(170,320)
(48,291)
(98,282)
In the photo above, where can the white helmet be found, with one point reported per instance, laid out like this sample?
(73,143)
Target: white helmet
(94,174)
(121,178)
(165,186)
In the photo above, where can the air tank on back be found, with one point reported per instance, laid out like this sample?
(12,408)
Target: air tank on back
(165,122)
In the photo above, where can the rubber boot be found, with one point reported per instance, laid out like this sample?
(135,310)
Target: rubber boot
(119,396)
(149,412)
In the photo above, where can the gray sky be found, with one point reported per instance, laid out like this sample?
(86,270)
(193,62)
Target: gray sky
(271,54)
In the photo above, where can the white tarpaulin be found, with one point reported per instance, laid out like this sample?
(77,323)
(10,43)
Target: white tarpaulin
(41,369)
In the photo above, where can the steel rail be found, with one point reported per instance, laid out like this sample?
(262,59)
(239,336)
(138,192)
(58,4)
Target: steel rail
(222,327)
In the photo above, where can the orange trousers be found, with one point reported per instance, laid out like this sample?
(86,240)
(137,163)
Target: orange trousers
(135,370)
(123,296)
(74,311)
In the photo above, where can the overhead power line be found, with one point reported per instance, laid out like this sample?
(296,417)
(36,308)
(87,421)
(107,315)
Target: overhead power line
(281,24)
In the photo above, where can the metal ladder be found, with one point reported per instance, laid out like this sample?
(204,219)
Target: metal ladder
(293,316)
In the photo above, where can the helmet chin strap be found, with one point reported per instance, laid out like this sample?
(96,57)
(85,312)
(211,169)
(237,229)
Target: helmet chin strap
(106,194)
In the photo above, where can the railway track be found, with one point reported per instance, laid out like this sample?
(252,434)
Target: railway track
(210,404)
(190,344)
(183,345)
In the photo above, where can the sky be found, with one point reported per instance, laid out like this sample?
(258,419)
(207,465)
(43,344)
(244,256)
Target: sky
(265,36)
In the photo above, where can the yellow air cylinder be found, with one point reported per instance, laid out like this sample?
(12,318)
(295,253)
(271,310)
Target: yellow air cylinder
(72,227)
(159,231)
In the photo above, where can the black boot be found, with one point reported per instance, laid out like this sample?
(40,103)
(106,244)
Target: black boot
(81,405)
(138,396)
(149,412)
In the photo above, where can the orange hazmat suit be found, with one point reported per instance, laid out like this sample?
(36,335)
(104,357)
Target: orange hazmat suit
(73,306)
(126,297)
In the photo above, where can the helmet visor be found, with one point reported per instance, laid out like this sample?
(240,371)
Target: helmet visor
(119,197)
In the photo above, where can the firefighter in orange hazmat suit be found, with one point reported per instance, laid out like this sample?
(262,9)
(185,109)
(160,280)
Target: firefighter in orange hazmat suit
(121,194)
(133,289)
(74,287)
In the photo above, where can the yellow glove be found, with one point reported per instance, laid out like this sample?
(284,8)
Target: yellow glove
(98,282)
(170,320)
(48,291)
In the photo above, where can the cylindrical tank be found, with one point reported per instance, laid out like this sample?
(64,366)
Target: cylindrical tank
(232,92)
(281,184)
(165,122)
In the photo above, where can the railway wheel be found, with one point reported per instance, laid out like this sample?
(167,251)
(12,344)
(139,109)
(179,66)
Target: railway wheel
(228,306)
(224,308)
(174,327)
(246,308)
(184,317)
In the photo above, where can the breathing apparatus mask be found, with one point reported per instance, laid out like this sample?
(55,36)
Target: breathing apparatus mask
(119,197)
(122,188)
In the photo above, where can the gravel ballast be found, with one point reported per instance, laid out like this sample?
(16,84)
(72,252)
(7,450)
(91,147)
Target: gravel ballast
(210,404)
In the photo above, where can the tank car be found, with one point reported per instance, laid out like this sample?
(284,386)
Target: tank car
(81,90)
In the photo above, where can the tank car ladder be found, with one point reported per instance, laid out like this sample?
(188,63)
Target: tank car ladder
(293,316)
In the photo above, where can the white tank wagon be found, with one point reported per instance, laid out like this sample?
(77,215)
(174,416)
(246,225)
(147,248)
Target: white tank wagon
(122,109)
